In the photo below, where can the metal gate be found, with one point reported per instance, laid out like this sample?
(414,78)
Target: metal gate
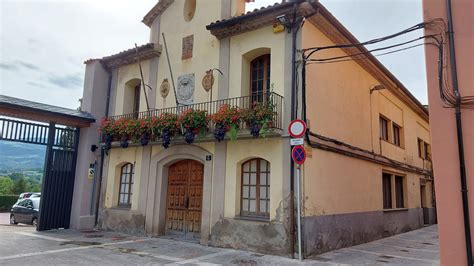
(59,170)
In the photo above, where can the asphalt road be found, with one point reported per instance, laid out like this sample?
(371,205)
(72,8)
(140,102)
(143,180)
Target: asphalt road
(22,245)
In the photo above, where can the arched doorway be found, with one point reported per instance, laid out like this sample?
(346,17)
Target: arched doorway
(184,199)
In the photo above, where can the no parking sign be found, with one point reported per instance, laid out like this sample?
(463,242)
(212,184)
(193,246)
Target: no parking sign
(298,154)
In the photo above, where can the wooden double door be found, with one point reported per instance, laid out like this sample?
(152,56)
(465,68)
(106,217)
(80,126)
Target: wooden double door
(184,199)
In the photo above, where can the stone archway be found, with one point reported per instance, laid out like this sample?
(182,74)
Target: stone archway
(155,223)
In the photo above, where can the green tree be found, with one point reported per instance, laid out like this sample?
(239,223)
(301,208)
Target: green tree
(6,185)
(16,176)
(20,186)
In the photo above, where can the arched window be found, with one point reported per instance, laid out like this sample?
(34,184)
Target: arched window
(126,185)
(255,192)
(260,77)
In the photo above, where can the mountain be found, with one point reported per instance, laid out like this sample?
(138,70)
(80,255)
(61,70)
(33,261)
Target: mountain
(15,156)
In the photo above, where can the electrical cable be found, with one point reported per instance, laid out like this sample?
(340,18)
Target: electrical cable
(369,51)
(363,58)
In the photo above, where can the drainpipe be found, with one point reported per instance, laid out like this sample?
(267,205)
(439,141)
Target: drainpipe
(462,167)
(294,31)
(102,152)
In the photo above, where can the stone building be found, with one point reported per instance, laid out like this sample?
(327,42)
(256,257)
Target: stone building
(368,172)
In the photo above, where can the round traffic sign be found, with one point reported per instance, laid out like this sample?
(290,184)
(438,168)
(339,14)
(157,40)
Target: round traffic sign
(297,128)
(298,154)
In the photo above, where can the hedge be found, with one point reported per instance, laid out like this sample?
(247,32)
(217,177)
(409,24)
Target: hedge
(7,201)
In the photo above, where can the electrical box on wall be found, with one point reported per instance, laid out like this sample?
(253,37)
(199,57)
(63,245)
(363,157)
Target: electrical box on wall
(91,172)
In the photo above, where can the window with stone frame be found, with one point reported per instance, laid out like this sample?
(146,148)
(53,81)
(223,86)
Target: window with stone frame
(255,189)
(126,185)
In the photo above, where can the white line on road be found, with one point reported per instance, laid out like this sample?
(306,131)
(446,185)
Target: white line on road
(390,255)
(42,236)
(68,249)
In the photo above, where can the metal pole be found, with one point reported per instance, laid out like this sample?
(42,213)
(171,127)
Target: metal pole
(298,204)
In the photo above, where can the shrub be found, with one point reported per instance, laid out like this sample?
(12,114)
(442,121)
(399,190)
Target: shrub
(7,201)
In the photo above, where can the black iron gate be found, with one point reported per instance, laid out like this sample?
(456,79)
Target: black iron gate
(59,170)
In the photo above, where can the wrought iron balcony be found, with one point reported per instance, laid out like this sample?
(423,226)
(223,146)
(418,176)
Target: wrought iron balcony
(211,107)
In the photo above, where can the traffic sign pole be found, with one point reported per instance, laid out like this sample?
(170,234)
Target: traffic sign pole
(298,200)
(297,129)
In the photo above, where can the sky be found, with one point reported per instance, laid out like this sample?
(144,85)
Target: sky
(44,43)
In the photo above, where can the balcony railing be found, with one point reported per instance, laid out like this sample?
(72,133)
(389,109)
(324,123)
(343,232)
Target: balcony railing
(211,107)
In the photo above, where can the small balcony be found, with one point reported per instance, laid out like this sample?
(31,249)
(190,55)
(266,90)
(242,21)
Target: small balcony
(269,101)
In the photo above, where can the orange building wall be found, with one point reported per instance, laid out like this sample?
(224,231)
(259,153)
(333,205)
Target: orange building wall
(443,128)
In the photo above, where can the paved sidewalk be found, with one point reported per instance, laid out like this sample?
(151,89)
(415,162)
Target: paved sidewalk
(22,245)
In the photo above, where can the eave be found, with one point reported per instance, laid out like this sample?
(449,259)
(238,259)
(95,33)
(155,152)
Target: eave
(258,18)
(132,56)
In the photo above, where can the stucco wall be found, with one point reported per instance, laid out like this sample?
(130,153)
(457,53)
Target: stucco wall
(117,158)
(343,108)
(342,196)
(443,126)
(125,74)
(247,46)
(205,48)
(240,151)
(341,91)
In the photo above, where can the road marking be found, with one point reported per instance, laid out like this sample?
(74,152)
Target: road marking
(42,236)
(208,256)
(69,249)
(395,256)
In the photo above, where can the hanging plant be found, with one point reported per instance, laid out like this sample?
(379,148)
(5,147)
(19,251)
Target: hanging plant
(108,130)
(165,126)
(125,128)
(227,119)
(191,123)
(143,130)
(259,118)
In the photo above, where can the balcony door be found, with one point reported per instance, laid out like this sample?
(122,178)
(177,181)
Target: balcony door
(260,78)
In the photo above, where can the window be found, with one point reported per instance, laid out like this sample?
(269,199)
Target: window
(383,129)
(420,148)
(396,135)
(424,150)
(387,190)
(427,151)
(399,192)
(260,77)
(136,101)
(126,184)
(255,188)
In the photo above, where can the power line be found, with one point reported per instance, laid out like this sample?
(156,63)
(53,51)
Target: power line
(366,52)
(362,58)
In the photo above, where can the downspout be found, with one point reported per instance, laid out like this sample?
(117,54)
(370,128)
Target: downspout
(102,152)
(293,116)
(462,167)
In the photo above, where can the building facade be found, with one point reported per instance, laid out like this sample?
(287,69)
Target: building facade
(368,173)
(453,236)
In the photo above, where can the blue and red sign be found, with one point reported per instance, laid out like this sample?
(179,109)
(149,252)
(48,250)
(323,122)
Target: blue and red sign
(298,154)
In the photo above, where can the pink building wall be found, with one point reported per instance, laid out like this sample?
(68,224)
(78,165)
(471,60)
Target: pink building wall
(443,129)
